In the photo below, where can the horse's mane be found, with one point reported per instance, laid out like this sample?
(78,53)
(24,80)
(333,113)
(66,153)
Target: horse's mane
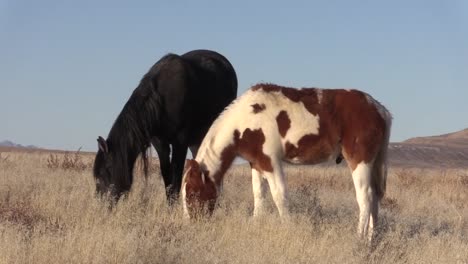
(138,119)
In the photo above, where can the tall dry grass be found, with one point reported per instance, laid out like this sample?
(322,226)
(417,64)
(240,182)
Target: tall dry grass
(49,215)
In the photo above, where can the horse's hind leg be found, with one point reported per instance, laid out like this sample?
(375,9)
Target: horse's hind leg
(374,204)
(374,215)
(366,198)
(259,187)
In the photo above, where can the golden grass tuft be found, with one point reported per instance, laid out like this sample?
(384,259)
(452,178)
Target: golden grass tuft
(68,161)
(50,215)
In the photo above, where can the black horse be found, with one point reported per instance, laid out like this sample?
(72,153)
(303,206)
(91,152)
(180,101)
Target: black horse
(172,108)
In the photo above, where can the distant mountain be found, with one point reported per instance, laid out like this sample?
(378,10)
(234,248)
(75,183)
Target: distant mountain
(457,139)
(447,150)
(10,144)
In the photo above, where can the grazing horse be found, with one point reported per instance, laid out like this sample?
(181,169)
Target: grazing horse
(172,108)
(269,124)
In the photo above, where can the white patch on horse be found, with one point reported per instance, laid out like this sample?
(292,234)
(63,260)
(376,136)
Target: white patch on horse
(302,121)
(183,195)
(184,201)
(259,192)
(366,199)
(319,95)
(296,160)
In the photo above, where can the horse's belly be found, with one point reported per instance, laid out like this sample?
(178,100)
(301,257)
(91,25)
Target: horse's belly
(308,160)
(316,153)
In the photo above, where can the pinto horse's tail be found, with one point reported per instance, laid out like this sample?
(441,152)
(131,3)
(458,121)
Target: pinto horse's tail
(379,170)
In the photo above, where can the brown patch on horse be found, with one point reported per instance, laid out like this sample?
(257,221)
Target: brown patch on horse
(267,87)
(310,149)
(250,146)
(227,157)
(257,108)
(200,194)
(308,96)
(360,141)
(283,122)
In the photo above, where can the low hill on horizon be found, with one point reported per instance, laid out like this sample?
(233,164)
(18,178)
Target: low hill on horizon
(11,144)
(457,139)
(446,150)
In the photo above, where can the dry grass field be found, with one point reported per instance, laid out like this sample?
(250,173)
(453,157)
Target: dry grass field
(48,214)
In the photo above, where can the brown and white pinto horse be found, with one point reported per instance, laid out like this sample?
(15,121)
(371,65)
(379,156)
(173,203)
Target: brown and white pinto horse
(269,124)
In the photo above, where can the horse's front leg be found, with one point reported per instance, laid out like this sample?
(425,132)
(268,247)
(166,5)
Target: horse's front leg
(278,188)
(164,151)
(179,154)
(259,188)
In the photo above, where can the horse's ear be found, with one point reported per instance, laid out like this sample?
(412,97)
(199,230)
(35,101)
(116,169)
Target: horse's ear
(102,145)
(187,164)
(205,174)
(191,163)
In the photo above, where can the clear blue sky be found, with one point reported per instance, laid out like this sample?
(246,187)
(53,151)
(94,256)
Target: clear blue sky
(68,67)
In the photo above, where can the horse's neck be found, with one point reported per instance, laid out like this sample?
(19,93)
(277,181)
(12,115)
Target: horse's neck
(217,167)
(128,138)
(125,151)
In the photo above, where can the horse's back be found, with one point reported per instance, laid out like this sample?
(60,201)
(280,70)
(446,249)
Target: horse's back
(193,88)
(206,59)
(214,72)
(201,70)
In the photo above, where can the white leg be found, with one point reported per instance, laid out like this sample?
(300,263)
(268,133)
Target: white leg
(373,216)
(364,196)
(184,202)
(258,186)
(278,189)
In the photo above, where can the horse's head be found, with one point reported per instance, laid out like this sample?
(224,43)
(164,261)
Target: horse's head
(199,192)
(102,167)
(103,170)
